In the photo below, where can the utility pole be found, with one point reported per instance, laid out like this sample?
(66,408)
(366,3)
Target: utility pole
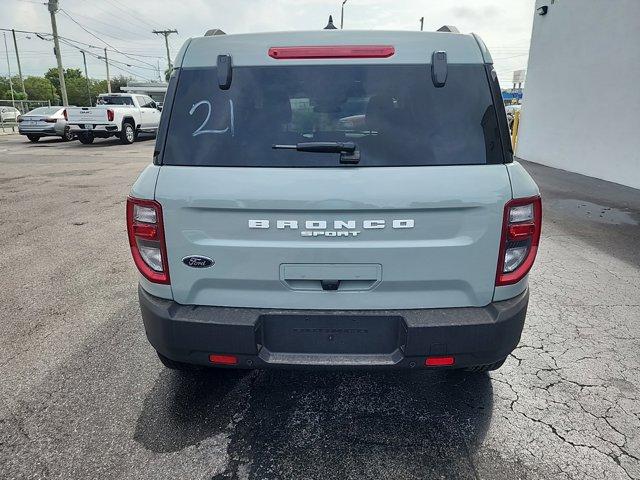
(166,34)
(53,8)
(86,74)
(421,24)
(106,62)
(15,45)
(13,101)
(342,15)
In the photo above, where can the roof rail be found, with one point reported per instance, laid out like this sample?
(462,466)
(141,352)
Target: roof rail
(213,32)
(448,28)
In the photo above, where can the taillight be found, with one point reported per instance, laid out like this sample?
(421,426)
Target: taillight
(19,119)
(146,239)
(332,51)
(50,120)
(66,115)
(521,228)
(110,115)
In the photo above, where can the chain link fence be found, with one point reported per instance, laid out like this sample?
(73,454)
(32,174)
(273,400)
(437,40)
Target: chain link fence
(10,109)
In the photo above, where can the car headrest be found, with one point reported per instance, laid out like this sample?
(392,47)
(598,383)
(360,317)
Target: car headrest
(380,112)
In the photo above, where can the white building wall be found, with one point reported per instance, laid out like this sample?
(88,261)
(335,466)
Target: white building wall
(581,107)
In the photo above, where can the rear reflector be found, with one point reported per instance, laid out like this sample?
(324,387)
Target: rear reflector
(332,51)
(223,359)
(442,361)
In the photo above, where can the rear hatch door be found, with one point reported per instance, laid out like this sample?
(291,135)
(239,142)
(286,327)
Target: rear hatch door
(415,224)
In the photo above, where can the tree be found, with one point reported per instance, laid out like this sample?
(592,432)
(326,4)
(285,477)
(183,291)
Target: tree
(97,87)
(119,81)
(69,74)
(4,88)
(40,88)
(77,91)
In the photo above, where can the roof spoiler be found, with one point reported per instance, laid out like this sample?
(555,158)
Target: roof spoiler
(448,28)
(213,32)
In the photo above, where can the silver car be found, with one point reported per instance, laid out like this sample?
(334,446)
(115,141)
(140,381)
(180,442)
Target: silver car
(44,122)
(9,114)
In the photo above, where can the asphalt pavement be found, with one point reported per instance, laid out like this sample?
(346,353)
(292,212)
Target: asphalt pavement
(82,394)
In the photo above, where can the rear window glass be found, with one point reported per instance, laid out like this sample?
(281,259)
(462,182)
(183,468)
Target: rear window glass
(44,111)
(393,113)
(114,101)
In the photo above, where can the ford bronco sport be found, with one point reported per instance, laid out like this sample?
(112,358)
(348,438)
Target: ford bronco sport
(334,198)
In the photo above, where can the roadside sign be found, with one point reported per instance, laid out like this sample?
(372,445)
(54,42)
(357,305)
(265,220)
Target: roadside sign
(519,76)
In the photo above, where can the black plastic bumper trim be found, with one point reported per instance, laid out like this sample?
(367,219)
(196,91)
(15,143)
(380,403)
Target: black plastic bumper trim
(474,335)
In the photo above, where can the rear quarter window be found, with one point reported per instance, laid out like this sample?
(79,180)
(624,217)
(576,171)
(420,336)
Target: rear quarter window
(393,113)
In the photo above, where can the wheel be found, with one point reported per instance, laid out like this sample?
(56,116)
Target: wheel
(33,138)
(173,365)
(128,134)
(486,368)
(86,138)
(67,136)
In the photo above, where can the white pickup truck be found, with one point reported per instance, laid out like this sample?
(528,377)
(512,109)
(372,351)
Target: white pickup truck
(116,114)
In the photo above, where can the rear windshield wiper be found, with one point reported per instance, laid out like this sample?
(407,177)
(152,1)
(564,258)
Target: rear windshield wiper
(348,151)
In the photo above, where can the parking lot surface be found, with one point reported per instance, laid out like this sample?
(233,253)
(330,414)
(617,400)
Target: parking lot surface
(83,396)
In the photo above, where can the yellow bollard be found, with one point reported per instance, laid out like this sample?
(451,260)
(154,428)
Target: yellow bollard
(514,130)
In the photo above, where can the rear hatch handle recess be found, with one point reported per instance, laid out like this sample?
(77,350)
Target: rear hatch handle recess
(349,153)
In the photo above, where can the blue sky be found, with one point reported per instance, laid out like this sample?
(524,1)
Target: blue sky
(505,26)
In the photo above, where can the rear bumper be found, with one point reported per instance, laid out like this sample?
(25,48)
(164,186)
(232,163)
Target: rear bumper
(98,130)
(49,131)
(474,335)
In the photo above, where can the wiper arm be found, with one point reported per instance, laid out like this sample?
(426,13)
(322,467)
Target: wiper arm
(348,151)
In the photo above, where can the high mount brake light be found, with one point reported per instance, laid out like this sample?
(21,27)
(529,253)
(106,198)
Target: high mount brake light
(521,227)
(146,239)
(332,51)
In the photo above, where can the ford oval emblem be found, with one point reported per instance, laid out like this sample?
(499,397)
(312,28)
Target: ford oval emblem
(196,261)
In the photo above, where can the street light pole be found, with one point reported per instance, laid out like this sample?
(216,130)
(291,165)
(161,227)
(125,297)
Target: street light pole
(15,45)
(106,62)
(342,15)
(86,75)
(13,101)
(53,8)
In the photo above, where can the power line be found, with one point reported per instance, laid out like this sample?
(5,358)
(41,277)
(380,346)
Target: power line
(127,9)
(114,64)
(94,35)
(72,43)
(110,25)
(131,14)
(80,43)
(123,63)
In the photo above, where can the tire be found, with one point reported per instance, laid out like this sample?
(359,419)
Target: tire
(128,133)
(179,366)
(33,138)
(486,368)
(86,138)
(67,136)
